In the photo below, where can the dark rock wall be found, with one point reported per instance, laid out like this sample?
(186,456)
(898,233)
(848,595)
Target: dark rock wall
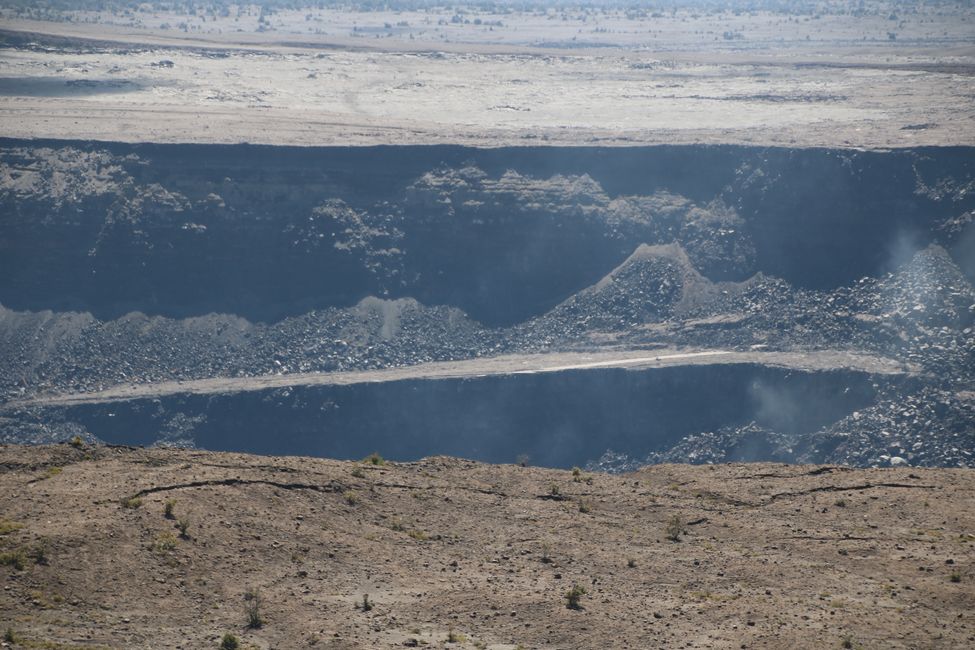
(504,234)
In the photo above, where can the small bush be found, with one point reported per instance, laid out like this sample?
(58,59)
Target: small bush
(183,524)
(17,559)
(350,497)
(675,528)
(7,526)
(840,503)
(357,472)
(456,637)
(77,442)
(554,490)
(168,509)
(229,642)
(131,502)
(52,472)
(252,608)
(573,596)
(585,505)
(374,459)
(9,636)
(955,577)
(366,605)
(39,553)
(164,543)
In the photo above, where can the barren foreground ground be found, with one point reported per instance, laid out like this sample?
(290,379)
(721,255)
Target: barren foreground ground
(459,554)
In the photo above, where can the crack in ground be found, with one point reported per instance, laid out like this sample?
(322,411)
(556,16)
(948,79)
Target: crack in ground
(334,486)
(848,488)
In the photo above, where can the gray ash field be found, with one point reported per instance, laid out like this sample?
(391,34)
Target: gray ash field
(227,296)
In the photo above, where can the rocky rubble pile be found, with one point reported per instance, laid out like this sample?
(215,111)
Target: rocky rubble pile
(70,352)
(931,427)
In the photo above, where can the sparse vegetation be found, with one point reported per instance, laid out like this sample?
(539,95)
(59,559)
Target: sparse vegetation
(16,558)
(131,502)
(229,642)
(39,552)
(9,636)
(358,472)
(366,604)
(456,637)
(7,526)
(573,597)
(675,528)
(840,503)
(77,442)
(350,497)
(546,555)
(52,472)
(374,459)
(554,490)
(168,509)
(164,543)
(955,577)
(183,525)
(253,601)
(585,505)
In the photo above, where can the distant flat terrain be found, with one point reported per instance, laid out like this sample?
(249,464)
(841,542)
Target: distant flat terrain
(326,77)
(458,554)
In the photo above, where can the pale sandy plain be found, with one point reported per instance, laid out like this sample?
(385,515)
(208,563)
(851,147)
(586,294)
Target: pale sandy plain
(322,77)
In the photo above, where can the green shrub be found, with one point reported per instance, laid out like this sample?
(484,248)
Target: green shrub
(17,559)
(675,528)
(168,508)
(456,637)
(366,605)
(374,459)
(183,525)
(252,608)
(7,526)
(164,543)
(573,596)
(77,442)
(131,502)
(229,642)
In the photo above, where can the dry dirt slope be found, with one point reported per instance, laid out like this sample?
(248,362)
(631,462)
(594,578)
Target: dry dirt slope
(772,555)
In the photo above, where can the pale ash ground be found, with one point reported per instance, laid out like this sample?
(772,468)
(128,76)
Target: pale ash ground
(673,80)
(493,366)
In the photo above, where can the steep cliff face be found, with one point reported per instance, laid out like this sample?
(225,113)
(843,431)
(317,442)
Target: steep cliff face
(504,234)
